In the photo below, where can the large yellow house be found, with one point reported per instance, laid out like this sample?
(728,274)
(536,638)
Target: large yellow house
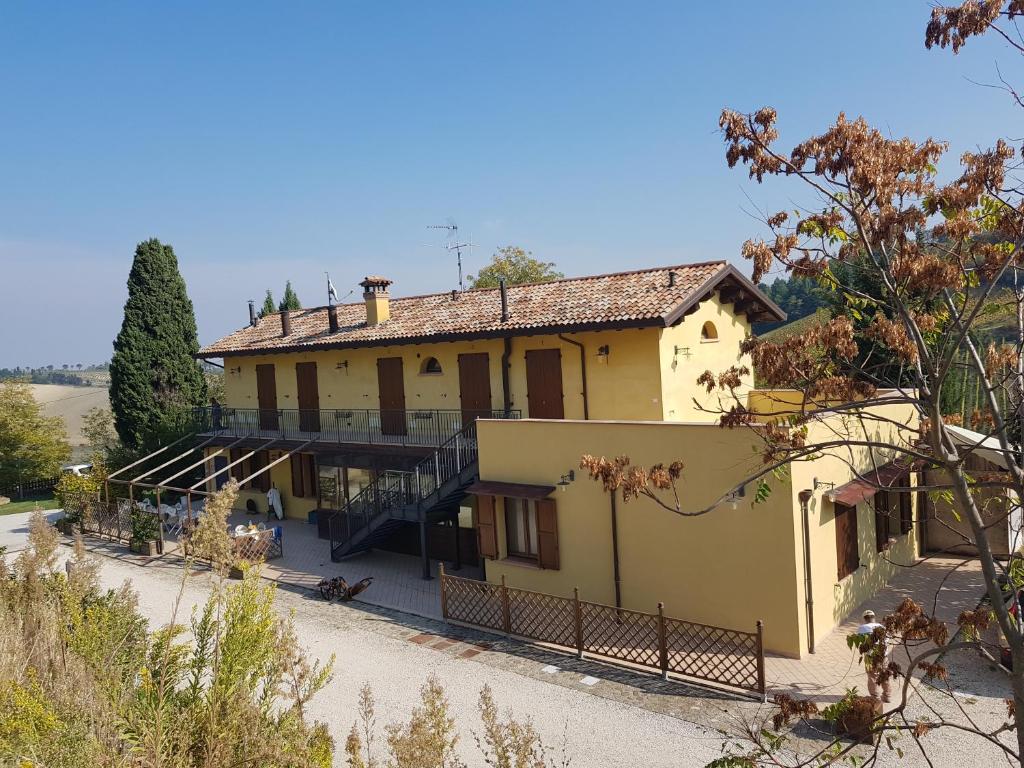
(441,425)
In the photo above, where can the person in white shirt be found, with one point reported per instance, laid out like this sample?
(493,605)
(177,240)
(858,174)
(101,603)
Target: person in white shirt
(873,666)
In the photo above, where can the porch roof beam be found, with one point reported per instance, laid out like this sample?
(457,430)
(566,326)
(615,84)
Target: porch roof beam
(179,457)
(250,454)
(190,467)
(157,452)
(278,460)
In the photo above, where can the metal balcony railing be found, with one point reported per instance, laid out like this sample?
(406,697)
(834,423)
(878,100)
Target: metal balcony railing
(406,495)
(412,427)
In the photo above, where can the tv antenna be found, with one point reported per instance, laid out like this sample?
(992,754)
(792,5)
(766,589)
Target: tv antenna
(452,243)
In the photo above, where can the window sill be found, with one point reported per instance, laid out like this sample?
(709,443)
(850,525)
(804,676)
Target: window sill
(521,562)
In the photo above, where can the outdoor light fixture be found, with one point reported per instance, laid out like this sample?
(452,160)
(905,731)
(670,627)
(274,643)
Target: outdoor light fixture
(734,499)
(342,364)
(684,351)
(602,353)
(822,483)
(237,371)
(565,479)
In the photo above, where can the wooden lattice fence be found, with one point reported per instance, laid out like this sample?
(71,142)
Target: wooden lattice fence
(728,657)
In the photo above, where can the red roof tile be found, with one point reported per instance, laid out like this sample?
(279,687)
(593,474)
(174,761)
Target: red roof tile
(624,299)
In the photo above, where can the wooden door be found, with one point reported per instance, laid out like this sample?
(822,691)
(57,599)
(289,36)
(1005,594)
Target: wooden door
(266,396)
(309,397)
(474,386)
(544,383)
(391,388)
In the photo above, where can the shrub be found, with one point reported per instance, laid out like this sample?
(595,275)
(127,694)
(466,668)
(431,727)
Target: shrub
(73,491)
(145,525)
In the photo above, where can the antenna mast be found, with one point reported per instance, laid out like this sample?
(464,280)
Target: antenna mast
(453,244)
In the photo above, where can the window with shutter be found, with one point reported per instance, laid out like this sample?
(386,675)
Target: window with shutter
(310,478)
(486,527)
(298,486)
(883,513)
(906,510)
(847,551)
(547,534)
(262,481)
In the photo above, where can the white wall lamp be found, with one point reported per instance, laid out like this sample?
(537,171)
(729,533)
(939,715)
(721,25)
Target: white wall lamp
(602,353)
(734,496)
(564,480)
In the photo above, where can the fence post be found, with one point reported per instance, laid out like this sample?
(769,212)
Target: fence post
(662,642)
(444,595)
(578,616)
(506,612)
(761,687)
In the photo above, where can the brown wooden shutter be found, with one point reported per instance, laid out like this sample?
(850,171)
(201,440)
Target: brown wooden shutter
(486,527)
(847,550)
(239,471)
(547,534)
(260,460)
(309,460)
(297,485)
(881,520)
(906,511)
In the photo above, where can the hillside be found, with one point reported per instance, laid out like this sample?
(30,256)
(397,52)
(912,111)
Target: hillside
(71,404)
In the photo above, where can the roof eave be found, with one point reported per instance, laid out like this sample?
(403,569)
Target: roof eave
(496,333)
(702,293)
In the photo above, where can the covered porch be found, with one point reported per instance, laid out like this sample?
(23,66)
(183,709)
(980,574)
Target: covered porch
(398,582)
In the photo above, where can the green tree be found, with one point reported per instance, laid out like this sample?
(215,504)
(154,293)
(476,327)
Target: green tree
(32,445)
(98,431)
(154,373)
(268,307)
(516,266)
(290,300)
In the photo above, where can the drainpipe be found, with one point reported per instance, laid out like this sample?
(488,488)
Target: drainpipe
(615,553)
(583,374)
(805,497)
(506,388)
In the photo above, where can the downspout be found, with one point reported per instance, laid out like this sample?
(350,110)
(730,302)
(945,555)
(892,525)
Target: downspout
(583,374)
(615,553)
(506,389)
(804,497)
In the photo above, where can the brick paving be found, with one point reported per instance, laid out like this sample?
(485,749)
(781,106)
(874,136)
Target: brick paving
(826,674)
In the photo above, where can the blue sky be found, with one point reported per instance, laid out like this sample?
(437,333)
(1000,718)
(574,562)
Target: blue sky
(276,141)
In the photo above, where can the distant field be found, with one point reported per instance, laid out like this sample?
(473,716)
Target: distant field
(70,403)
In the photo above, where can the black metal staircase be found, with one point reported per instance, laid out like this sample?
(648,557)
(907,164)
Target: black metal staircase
(398,498)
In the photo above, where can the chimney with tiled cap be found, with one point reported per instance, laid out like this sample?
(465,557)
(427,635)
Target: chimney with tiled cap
(375,294)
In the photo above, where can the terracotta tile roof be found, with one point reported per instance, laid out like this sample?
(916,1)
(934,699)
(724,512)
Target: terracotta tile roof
(624,299)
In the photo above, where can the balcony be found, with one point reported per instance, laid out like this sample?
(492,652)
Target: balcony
(360,426)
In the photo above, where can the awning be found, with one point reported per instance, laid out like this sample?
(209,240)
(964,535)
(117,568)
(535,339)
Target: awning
(513,490)
(870,483)
(984,447)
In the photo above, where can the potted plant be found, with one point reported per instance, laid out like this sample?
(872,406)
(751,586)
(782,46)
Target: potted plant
(145,531)
(853,715)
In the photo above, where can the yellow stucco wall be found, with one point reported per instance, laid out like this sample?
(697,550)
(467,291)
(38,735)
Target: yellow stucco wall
(625,384)
(280,476)
(728,568)
(640,378)
(835,599)
(679,370)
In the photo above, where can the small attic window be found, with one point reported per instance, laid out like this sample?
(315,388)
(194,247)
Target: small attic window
(708,332)
(431,367)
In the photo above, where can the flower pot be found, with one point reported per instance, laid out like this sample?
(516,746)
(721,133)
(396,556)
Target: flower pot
(147,547)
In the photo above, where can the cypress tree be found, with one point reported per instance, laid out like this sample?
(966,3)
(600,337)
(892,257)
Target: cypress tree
(290,300)
(154,373)
(268,307)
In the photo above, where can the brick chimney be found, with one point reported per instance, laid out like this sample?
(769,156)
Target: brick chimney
(375,294)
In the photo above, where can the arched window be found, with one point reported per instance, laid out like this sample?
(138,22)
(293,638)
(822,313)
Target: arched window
(431,367)
(708,332)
